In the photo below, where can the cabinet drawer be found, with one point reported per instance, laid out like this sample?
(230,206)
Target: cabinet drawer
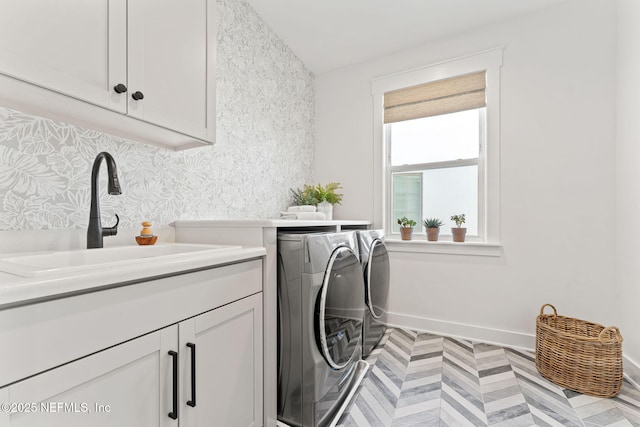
(41,336)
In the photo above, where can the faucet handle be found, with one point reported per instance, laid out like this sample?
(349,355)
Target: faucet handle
(111,231)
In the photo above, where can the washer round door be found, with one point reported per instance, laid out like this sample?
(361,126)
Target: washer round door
(377,278)
(340,308)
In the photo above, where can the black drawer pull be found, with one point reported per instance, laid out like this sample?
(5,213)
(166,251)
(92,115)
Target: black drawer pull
(192,402)
(174,414)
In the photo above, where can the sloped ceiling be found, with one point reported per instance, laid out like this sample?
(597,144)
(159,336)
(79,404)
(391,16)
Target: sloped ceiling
(330,34)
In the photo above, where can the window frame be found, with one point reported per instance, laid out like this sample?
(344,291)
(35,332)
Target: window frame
(489,156)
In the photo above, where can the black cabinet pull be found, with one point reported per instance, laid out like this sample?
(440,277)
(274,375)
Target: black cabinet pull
(192,402)
(137,95)
(174,414)
(120,88)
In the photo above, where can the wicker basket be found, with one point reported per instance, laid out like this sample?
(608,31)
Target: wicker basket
(581,356)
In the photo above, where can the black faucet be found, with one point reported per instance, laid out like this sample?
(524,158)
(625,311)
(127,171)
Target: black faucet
(95,232)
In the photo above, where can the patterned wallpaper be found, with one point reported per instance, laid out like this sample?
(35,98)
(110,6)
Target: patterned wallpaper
(265,131)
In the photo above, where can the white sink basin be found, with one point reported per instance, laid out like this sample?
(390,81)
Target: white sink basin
(64,262)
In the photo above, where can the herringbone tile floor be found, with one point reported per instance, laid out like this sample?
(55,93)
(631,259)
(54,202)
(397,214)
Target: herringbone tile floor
(420,379)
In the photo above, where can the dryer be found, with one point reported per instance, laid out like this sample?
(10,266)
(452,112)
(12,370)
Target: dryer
(375,268)
(320,312)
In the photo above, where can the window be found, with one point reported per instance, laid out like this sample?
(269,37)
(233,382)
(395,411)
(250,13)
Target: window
(437,146)
(443,154)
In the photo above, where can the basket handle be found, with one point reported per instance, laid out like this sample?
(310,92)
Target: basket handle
(618,337)
(555,313)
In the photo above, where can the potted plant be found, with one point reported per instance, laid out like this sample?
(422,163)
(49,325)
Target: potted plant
(433,228)
(327,197)
(406,227)
(322,196)
(328,193)
(304,197)
(458,232)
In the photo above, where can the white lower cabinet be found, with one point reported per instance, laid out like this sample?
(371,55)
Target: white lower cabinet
(226,345)
(137,384)
(125,386)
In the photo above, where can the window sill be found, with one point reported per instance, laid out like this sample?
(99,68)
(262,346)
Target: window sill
(450,248)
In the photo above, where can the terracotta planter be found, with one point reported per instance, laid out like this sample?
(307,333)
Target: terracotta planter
(406,232)
(458,234)
(432,234)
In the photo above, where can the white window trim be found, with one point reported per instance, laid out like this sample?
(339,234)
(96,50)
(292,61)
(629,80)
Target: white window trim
(489,174)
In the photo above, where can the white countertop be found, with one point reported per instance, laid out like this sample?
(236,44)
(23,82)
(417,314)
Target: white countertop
(276,223)
(16,290)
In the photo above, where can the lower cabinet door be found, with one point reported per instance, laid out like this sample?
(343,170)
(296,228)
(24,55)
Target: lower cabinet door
(126,385)
(221,366)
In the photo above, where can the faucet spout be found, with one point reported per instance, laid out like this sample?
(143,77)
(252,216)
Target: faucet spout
(95,232)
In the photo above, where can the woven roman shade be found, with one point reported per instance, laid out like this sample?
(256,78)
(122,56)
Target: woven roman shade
(445,96)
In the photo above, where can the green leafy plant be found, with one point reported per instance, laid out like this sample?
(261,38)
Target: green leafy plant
(458,219)
(432,223)
(305,196)
(328,193)
(406,222)
(312,195)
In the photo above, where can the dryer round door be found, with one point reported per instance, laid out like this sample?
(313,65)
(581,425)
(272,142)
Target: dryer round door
(377,278)
(340,308)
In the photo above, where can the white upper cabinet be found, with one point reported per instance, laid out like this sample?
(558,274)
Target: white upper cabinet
(168,63)
(75,47)
(141,69)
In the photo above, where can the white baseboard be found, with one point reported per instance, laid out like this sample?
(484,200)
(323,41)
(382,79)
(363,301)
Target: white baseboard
(465,331)
(489,336)
(632,371)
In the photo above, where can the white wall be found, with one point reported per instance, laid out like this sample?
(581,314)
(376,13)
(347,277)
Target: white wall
(628,181)
(557,176)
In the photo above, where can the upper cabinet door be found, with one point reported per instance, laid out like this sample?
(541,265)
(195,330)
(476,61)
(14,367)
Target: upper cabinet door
(171,57)
(74,47)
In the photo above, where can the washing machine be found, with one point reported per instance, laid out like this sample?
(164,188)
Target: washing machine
(375,268)
(320,313)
